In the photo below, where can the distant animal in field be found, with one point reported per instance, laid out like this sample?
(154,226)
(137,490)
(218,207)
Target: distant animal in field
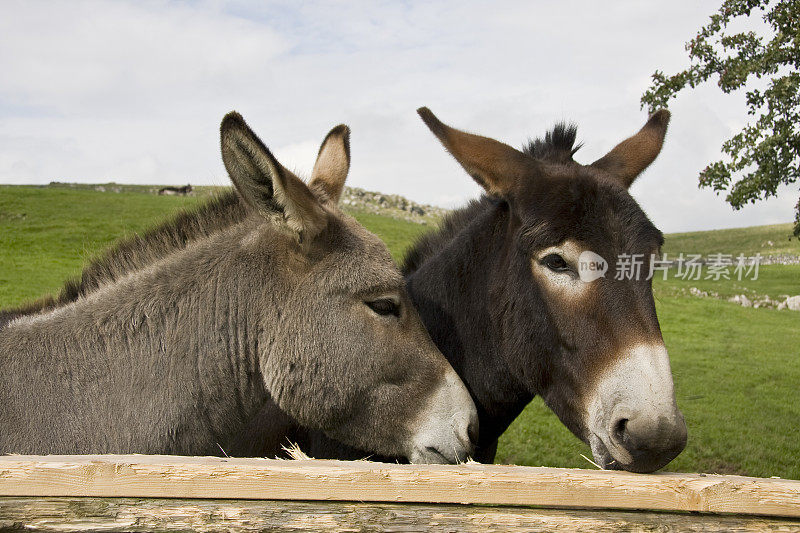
(175,191)
(267,303)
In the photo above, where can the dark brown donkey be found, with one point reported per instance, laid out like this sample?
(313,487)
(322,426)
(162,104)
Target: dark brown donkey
(277,304)
(502,294)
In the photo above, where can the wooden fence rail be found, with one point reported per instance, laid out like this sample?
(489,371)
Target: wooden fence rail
(133,491)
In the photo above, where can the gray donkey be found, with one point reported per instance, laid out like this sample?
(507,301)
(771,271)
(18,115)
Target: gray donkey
(295,310)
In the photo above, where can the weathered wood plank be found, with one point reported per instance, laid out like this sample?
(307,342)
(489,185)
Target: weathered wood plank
(135,515)
(142,476)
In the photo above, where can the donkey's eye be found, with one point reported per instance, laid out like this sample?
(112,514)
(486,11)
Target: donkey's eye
(384,306)
(555,263)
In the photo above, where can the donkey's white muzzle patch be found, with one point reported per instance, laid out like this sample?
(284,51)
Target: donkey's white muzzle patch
(633,419)
(448,427)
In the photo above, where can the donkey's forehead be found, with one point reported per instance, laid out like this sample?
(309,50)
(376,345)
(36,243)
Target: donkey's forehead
(355,238)
(360,258)
(577,204)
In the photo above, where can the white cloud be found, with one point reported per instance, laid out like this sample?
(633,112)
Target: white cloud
(134,91)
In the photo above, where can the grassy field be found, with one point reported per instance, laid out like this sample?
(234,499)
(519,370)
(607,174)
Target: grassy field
(775,281)
(766,240)
(736,370)
(46,233)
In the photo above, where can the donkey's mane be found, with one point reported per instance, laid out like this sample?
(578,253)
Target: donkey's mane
(140,250)
(557,146)
(431,243)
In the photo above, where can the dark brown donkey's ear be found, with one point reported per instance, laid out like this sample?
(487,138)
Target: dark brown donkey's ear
(265,184)
(333,164)
(630,157)
(496,166)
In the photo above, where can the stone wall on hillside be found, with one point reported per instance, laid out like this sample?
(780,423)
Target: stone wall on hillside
(392,205)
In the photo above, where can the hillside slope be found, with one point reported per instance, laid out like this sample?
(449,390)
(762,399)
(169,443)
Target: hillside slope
(768,240)
(47,233)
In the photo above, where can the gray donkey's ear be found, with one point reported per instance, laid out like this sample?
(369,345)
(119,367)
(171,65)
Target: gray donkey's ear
(333,164)
(265,184)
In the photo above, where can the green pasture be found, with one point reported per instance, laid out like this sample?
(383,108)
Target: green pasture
(46,233)
(774,239)
(737,370)
(775,281)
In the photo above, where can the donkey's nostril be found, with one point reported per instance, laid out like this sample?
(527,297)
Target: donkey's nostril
(645,443)
(619,429)
(472,430)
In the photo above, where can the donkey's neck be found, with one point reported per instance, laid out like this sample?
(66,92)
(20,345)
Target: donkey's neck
(161,361)
(452,292)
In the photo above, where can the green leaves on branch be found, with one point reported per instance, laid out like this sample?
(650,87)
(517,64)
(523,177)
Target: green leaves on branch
(766,152)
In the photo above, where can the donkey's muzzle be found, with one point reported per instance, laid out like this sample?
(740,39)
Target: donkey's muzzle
(447,429)
(633,419)
(650,442)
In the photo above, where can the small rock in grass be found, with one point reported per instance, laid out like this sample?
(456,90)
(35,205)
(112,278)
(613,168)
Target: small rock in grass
(694,291)
(793,303)
(742,300)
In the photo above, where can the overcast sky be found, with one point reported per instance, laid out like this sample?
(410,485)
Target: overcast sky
(133,92)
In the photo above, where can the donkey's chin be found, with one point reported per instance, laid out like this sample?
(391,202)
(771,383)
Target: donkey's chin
(618,458)
(444,444)
(431,455)
(602,457)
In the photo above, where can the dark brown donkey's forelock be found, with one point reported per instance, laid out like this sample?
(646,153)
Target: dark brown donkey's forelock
(268,303)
